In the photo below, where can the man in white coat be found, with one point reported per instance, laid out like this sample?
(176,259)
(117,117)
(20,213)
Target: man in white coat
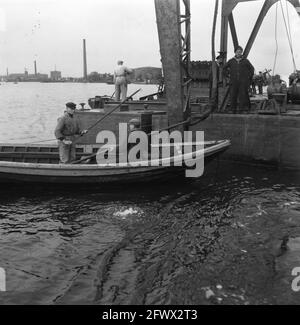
(120,79)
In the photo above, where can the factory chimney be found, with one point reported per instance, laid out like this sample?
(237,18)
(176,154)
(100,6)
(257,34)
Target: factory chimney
(84,62)
(35,70)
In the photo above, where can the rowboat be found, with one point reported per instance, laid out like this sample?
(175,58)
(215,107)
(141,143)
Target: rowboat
(40,164)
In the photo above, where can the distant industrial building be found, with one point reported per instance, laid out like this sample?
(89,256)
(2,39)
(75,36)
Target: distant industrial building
(36,77)
(55,75)
(99,77)
(16,77)
(147,74)
(26,77)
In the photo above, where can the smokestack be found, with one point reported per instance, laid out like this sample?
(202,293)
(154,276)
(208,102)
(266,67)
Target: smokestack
(35,70)
(84,62)
(7,72)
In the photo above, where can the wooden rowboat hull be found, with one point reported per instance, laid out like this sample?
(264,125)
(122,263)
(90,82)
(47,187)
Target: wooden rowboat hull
(149,175)
(20,172)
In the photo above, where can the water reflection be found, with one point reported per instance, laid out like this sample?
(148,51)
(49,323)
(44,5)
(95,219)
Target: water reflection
(172,243)
(135,244)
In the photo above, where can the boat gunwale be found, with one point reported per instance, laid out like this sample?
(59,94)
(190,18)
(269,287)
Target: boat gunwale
(221,144)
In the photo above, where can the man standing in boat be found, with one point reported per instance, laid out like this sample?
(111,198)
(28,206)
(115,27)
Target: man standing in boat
(121,80)
(240,72)
(65,132)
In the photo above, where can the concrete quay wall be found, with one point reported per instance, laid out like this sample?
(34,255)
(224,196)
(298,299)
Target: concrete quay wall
(271,139)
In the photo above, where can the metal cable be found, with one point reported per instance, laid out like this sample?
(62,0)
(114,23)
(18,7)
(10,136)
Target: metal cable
(288,19)
(288,36)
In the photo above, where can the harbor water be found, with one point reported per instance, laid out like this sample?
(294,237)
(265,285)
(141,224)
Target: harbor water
(229,237)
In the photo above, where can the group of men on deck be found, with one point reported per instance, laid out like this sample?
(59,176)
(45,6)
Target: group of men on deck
(238,70)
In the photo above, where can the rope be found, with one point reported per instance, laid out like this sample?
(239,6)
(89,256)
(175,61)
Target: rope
(213,51)
(40,141)
(288,19)
(288,36)
(214,70)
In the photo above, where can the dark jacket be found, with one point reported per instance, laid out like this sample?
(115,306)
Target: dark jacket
(239,70)
(67,126)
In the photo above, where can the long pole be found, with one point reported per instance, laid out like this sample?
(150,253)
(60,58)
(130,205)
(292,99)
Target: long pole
(188,121)
(115,108)
(98,121)
(164,129)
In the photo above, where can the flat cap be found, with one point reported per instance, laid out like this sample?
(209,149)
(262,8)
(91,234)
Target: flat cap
(135,122)
(71,105)
(238,48)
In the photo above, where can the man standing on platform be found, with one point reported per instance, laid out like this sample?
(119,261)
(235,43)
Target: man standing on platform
(65,132)
(121,80)
(240,72)
(260,82)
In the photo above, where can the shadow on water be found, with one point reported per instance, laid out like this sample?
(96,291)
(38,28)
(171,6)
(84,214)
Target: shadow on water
(152,189)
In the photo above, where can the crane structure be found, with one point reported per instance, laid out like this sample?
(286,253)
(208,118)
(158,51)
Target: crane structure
(174,31)
(227,20)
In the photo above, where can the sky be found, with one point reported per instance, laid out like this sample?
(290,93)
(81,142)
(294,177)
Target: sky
(51,32)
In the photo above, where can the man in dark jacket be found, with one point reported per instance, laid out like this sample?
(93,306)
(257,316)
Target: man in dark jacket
(240,71)
(65,132)
(260,82)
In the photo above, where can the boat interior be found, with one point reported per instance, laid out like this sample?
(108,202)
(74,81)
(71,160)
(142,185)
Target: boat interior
(48,154)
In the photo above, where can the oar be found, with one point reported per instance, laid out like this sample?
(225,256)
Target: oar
(95,154)
(98,121)
(115,108)
(38,141)
(41,141)
(102,118)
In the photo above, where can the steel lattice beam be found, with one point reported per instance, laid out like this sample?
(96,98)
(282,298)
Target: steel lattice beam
(228,7)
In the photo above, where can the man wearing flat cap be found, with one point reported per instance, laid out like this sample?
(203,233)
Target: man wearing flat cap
(65,132)
(240,72)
